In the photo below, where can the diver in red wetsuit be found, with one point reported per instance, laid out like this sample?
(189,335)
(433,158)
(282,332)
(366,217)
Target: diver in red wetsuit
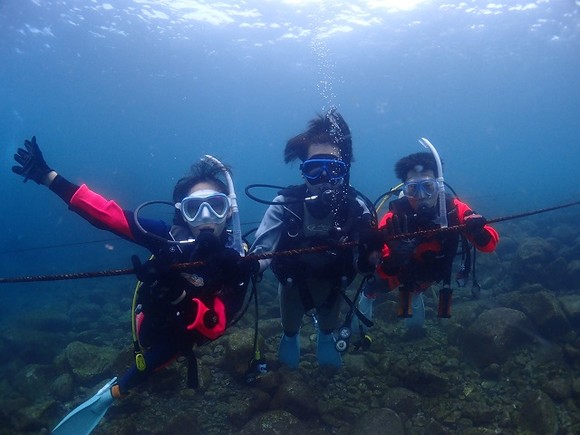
(413,264)
(178,309)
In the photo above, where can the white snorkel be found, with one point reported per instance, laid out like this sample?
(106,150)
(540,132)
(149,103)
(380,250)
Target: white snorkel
(440,182)
(236,225)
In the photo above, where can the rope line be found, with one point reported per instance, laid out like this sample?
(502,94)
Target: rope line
(268,255)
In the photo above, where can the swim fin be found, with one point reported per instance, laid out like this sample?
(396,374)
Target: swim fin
(326,351)
(85,417)
(289,350)
(418,318)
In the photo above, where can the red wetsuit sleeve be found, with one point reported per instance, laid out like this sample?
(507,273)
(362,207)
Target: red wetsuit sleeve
(385,253)
(100,212)
(463,210)
(387,217)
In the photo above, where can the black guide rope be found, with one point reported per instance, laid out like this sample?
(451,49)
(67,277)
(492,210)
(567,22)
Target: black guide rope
(268,255)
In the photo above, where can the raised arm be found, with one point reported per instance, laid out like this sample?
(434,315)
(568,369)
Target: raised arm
(100,212)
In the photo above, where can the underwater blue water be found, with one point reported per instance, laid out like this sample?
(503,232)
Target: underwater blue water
(126,95)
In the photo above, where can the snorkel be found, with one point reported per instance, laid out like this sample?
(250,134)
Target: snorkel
(237,243)
(440,182)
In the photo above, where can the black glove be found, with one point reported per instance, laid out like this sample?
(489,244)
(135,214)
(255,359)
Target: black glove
(152,270)
(32,164)
(400,252)
(371,240)
(400,249)
(474,226)
(230,268)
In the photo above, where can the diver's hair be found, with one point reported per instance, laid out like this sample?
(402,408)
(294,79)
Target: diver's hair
(200,172)
(330,128)
(406,164)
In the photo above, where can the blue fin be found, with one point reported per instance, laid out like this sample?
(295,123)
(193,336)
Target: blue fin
(85,417)
(326,351)
(418,312)
(289,350)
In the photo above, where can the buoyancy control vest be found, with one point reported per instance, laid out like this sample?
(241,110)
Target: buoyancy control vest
(304,227)
(171,299)
(434,255)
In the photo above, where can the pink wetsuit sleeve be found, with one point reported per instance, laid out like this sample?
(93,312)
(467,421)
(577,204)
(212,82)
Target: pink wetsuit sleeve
(101,212)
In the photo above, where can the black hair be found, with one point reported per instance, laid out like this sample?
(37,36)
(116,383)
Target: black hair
(406,164)
(330,128)
(200,172)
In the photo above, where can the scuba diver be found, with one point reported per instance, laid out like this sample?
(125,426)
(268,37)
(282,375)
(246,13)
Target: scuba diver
(324,211)
(174,309)
(413,264)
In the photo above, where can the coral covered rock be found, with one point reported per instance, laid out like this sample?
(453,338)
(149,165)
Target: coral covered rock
(495,333)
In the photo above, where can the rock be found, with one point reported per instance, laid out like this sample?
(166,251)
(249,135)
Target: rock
(573,270)
(204,377)
(271,327)
(571,307)
(295,397)
(492,371)
(182,423)
(436,428)
(424,378)
(557,273)
(385,310)
(466,313)
(528,289)
(88,362)
(63,387)
(402,400)
(572,354)
(239,349)
(564,233)
(47,321)
(240,411)
(558,389)
(480,414)
(274,423)
(379,422)
(538,414)
(34,380)
(533,250)
(507,247)
(529,263)
(270,382)
(30,345)
(36,417)
(545,312)
(576,387)
(82,315)
(495,333)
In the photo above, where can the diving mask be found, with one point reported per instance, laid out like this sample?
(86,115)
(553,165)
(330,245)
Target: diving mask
(318,170)
(204,206)
(423,188)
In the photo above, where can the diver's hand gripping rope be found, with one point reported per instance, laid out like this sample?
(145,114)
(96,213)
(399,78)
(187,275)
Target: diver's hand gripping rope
(268,255)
